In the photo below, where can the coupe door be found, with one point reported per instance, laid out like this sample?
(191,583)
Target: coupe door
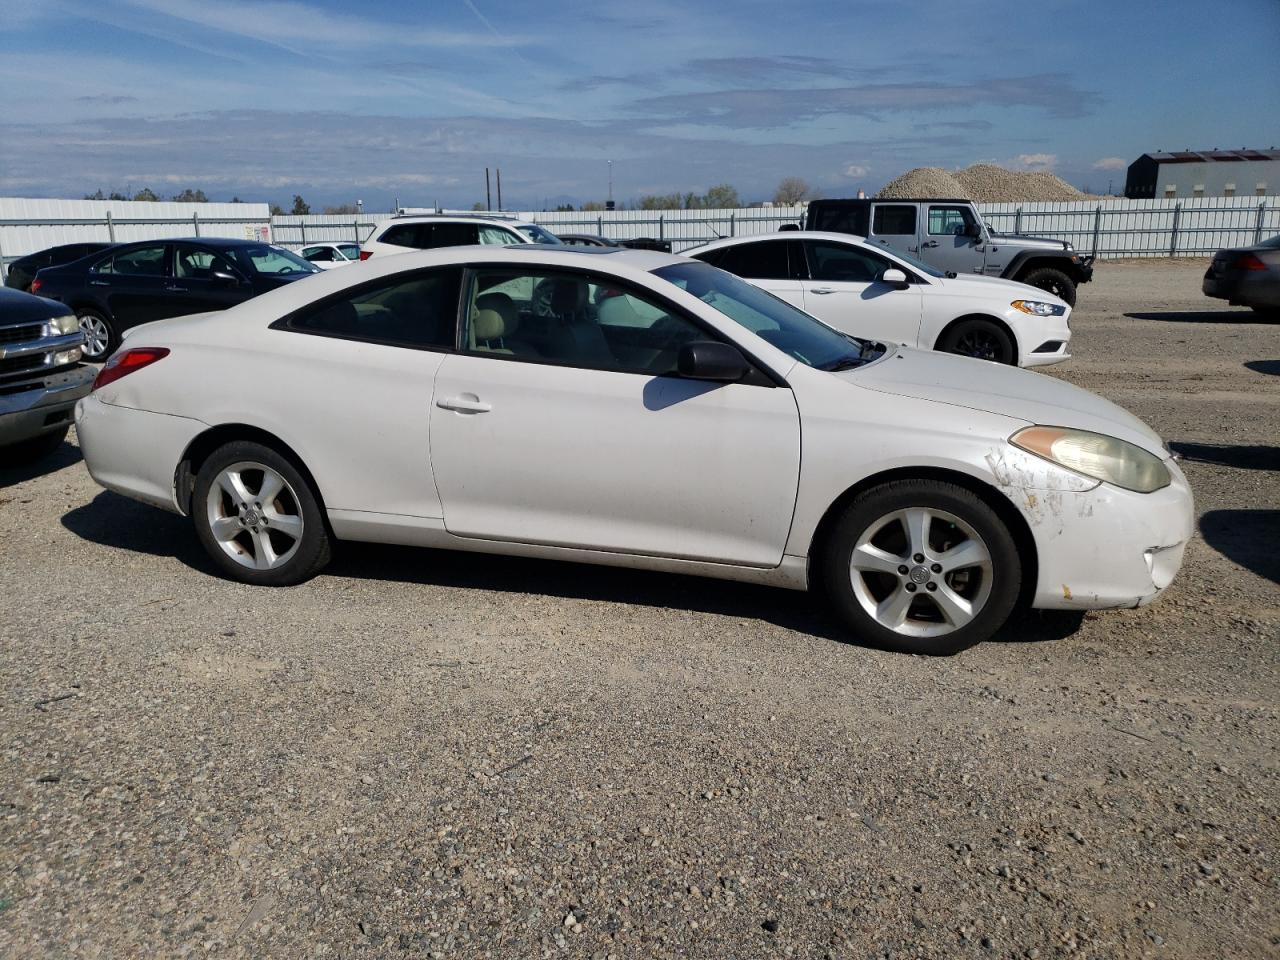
(552,426)
(773,265)
(846,291)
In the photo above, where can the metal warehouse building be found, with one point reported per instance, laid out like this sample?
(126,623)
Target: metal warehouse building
(1204,173)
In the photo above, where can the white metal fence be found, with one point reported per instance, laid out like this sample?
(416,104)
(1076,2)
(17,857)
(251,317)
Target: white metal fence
(1110,228)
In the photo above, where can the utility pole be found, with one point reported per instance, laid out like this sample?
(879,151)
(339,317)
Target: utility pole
(498,171)
(488,197)
(609,205)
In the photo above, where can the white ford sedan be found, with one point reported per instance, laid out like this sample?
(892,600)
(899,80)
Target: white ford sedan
(864,289)
(633,408)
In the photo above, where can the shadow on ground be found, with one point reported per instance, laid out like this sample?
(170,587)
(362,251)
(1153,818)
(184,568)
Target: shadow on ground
(1246,537)
(1201,316)
(114,521)
(65,456)
(1264,366)
(1225,455)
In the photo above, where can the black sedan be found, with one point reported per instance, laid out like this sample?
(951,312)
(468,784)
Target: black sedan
(23,270)
(595,240)
(136,283)
(1247,276)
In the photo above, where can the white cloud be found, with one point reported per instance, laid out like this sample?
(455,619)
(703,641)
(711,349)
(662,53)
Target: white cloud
(1111,163)
(1039,161)
(854,170)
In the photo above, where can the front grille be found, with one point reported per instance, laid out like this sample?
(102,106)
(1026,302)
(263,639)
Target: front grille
(19,334)
(31,363)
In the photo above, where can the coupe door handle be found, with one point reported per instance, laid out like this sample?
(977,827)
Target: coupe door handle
(822,290)
(176,289)
(99,283)
(464,404)
(930,243)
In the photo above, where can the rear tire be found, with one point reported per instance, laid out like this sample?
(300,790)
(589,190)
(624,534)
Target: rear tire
(1054,281)
(257,516)
(963,572)
(983,339)
(37,448)
(100,337)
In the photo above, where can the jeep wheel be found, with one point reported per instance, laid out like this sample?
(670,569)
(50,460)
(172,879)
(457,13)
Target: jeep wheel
(1054,281)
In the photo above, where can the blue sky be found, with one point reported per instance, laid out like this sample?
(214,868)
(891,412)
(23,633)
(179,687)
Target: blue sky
(376,99)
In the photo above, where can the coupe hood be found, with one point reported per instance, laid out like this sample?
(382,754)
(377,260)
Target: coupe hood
(1006,391)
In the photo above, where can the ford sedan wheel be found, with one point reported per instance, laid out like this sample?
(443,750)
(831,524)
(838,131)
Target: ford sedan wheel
(922,566)
(258,517)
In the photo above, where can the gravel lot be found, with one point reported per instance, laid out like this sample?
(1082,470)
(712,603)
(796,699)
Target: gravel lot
(427,754)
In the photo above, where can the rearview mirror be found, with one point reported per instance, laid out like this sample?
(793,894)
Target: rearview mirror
(711,360)
(895,278)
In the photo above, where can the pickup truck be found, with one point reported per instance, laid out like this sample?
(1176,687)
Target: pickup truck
(41,376)
(950,235)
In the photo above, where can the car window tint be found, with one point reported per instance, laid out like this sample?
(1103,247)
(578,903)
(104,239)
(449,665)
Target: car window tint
(198,264)
(839,219)
(762,260)
(572,319)
(350,250)
(843,263)
(407,235)
(949,221)
(454,234)
(414,310)
(318,255)
(142,262)
(894,219)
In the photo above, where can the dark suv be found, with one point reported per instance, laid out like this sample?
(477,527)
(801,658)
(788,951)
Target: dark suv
(951,235)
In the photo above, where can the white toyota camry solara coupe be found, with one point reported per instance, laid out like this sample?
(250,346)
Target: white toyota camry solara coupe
(638,409)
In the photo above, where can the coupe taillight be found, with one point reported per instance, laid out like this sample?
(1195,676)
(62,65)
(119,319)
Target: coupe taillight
(366,254)
(36,284)
(1250,261)
(123,364)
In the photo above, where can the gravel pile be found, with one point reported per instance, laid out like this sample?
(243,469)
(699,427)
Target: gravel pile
(927,183)
(987,183)
(981,182)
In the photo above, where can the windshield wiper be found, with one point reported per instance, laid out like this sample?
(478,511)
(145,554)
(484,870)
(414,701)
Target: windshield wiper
(844,363)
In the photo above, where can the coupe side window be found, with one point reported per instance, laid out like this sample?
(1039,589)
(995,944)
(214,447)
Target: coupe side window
(194,263)
(949,221)
(573,320)
(408,310)
(318,255)
(894,220)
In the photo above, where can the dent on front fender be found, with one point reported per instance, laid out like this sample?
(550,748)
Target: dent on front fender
(1041,490)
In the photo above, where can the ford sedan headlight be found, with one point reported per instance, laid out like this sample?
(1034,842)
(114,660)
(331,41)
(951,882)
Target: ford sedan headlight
(61,326)
(1096,455)
(1038,308)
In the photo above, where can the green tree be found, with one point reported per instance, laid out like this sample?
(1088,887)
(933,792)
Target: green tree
(660,201)
(146,193)
(191,196)
(300,206)
(277,210)
(592,206)
(342,208)
(478,205)
(99,195)
(722,196)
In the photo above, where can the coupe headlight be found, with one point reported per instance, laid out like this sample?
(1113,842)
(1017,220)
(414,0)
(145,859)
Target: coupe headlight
(1096,455)
(1038,308)
(61,326)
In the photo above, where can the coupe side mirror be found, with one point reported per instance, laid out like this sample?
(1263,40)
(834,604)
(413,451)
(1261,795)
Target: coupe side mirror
(221,278)
(895,278)
(711,360)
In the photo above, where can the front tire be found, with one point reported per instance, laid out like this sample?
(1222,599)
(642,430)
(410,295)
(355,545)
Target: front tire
(1054,281)
(258,517)
(100,337)
(982,339)
(921,566)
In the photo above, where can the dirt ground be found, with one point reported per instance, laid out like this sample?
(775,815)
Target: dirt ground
(436,755)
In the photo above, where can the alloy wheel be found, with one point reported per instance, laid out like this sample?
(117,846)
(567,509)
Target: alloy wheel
(981,344)
(921,572)
(254,515)
(96,335)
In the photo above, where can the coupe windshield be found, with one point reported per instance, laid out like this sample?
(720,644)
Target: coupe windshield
(792,331)
(538,235)
(271,260)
